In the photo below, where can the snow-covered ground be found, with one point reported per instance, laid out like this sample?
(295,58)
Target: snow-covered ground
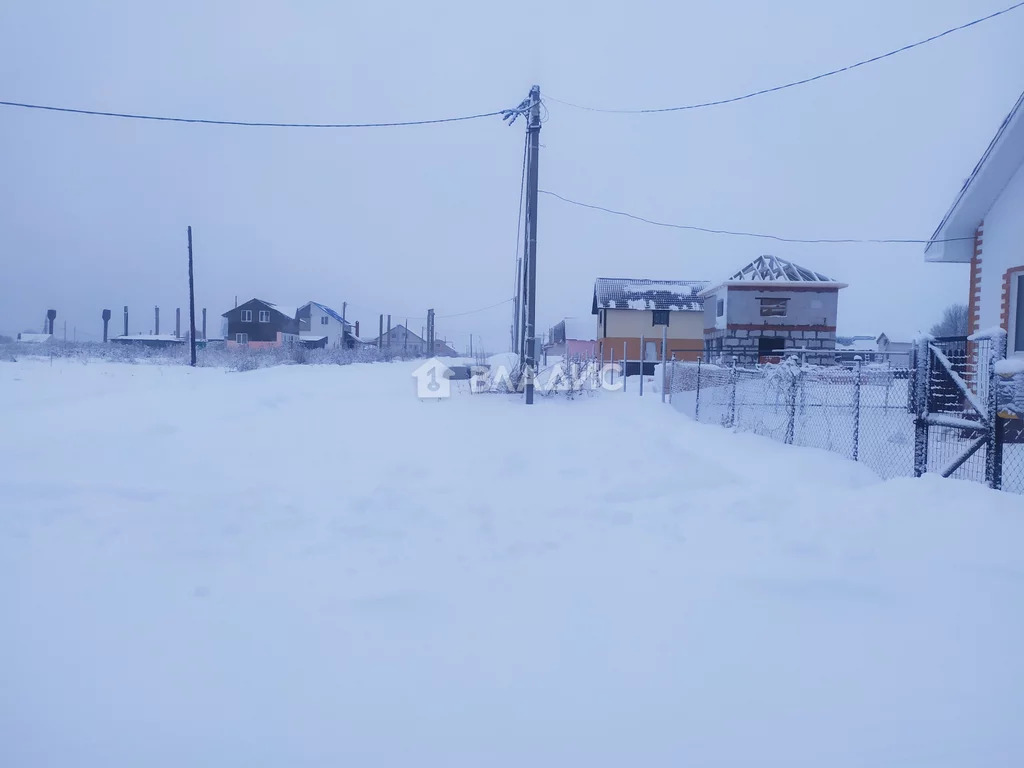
(307,566)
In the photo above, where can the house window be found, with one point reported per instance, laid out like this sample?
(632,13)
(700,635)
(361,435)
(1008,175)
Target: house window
(773,307)
(659,317)
(242,338)
(324,320)
(264,316)
(246,315)
(720,307)
(1018,315)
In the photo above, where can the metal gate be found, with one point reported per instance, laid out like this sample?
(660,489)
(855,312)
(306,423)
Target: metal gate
(955,428)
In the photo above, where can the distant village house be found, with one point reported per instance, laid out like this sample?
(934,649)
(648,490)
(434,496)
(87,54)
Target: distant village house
(630,311)
(770,306)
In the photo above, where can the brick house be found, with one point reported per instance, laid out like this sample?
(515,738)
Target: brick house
(630,310)
(984,227)
(769,306)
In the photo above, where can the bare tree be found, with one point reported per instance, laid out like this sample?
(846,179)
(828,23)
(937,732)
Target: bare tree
(953,322)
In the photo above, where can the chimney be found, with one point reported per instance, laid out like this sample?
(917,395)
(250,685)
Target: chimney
(106,321)
(126,321)
(51,315)
(177,323)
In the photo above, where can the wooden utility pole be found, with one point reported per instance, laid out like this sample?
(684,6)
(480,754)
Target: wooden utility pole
(430,332)
(532,179)
(192,305)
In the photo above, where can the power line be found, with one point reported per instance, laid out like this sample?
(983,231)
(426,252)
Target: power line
(778,238)
(248,123)
(409,316)
(795,83)
(482,309)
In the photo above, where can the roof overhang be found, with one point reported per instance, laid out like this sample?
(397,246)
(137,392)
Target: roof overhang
(775,285)
(953,239)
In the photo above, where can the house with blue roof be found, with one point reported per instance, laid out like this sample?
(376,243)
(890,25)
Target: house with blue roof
(321,326)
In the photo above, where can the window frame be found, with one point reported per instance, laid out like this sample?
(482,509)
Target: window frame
(767,303)
(246,315)
(324,320)
(662,312)
(720,307)
(242,338)
(264,316)
(1015,332)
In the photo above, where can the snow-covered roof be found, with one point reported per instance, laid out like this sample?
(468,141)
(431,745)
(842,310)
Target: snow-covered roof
(149,337)
(997,166)
(287,310)
(773,271)
(311,338)
(580,329)
(324,308)
(34,338)
(858,345)
(635,293)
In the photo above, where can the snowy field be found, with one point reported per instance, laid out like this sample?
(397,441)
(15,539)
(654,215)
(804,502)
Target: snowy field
(307,566)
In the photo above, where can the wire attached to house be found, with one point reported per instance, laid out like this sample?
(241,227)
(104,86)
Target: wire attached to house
(738,233)
(248,123)
(794,83)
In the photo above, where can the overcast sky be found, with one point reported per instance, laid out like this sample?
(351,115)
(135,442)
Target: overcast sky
(93,210)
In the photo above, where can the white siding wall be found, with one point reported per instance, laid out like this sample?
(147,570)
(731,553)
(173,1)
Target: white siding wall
(1002,248)
(333,329)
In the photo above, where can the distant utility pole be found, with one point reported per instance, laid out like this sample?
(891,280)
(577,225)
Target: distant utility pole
(532,178)
(430,332)
(192,305)
(380,334)
(405,336)
(156,319)
(389,331)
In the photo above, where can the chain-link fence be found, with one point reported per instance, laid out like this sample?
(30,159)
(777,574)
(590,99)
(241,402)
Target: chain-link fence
(866,413)
(1012,448)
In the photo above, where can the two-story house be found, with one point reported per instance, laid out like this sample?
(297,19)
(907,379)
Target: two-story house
(320,324)
(259,324)
(984,227)
(632,310)
(767,307)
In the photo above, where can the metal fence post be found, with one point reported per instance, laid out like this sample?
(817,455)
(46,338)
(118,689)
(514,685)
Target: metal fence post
(672,378)
(643,356)
(791,423)
(921,376)
(664,360)
(696,410)
(994,454)
(625,358)
(856,409)
(732,396)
